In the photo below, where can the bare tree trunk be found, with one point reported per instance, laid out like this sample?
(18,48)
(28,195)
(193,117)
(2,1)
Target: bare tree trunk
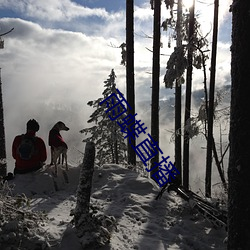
(211,102)
(3,162)
(112,152)
(130,72)
(116,152)
(206,108)
(81,215)
(239,159)
(115,143)
(178,99)
(216,158)
(93,231)
(156,79)
(188,98)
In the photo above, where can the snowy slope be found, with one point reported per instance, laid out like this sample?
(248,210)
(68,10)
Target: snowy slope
(142,222)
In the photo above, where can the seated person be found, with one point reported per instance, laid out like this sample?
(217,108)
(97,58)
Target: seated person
(28,150)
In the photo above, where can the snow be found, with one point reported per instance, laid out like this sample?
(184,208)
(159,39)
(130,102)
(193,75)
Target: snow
(141,221)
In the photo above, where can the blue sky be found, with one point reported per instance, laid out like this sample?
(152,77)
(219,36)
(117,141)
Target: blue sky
(109,5)
(61,52)
(67,14)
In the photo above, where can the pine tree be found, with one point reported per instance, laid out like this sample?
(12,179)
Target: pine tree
(106,134)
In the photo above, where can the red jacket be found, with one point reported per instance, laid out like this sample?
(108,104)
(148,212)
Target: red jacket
(55,139)
(37,159)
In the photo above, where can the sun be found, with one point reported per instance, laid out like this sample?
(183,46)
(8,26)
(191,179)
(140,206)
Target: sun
(188,3)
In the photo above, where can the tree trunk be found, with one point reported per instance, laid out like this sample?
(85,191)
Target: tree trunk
(93,231)
(156,80)
(178,99)
(116,152)
(216,158)
(188,98)
(83,192)
(115,144)
(211,102)
(239,159)
(130,72)
(3,162)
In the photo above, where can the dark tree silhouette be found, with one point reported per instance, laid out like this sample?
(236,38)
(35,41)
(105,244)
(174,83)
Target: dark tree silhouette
(156,79)
(3,163)
(93,231)
(175,69)
(85,184)
(239,159)
(210,139)
(106,134)
(130,72)
(188,97)
(178,157)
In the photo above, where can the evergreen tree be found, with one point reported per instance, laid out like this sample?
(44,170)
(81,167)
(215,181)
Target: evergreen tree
(106,134)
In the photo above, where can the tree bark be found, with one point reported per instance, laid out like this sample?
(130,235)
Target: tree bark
(116,152)
(156,80)
(239,159)
(93,230)
(188,98)
(216,158)
(178,99)
(211,102)
(83,192)
(3,162)
(130,72)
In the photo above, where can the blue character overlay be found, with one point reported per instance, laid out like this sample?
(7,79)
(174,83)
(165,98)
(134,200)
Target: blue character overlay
(165,173)
(127,121)
(132,127)
(147,149)
(115,106)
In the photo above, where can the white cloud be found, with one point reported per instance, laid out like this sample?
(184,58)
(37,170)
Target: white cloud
(52,10)
(143,13)
(205,12)
(51,73)
(46,69)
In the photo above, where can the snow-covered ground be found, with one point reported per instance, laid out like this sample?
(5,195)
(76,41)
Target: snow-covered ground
(141,221)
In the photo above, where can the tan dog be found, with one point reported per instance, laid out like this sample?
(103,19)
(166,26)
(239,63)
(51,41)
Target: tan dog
(57,145)
(57,152)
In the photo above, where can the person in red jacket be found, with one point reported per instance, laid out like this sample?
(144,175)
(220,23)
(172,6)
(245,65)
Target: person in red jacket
(29,150)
